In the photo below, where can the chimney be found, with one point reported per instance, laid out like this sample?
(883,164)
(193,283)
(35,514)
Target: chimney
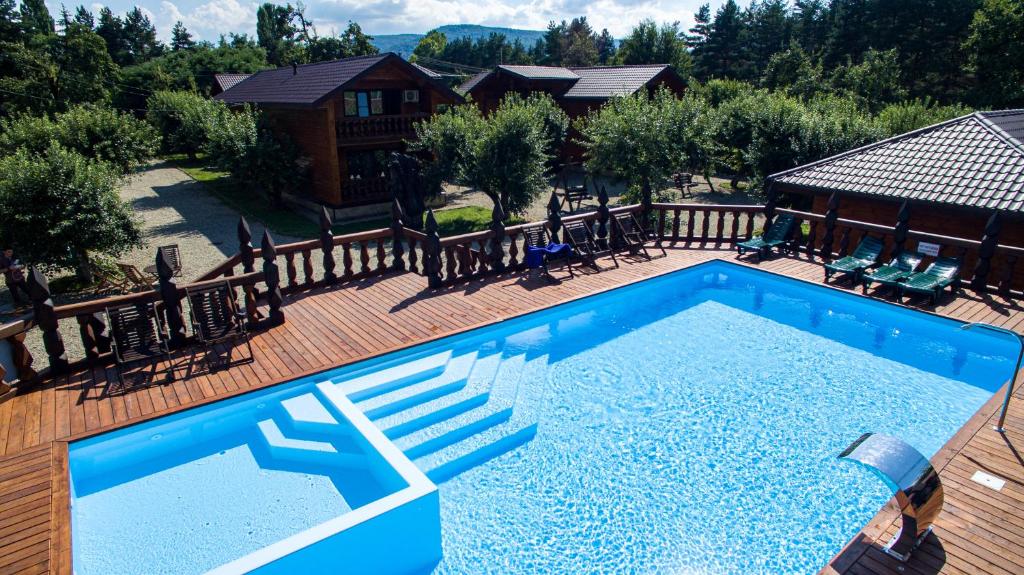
(295,68)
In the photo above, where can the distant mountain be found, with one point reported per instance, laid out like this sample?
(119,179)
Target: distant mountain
(404,44)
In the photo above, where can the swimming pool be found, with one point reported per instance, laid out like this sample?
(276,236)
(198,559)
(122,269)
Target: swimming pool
(688,423)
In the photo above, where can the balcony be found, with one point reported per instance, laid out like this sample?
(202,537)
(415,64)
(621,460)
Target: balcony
(362,191)
(377,128)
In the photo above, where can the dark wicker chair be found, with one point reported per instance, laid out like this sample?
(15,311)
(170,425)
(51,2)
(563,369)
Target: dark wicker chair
(216,319)
(631,236)
(174,257)
(537,236)
(137,335)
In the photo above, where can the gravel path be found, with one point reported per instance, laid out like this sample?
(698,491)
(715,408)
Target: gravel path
(176,210)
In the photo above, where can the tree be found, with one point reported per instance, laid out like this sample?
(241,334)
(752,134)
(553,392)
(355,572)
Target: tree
(444,139)
(62,208)
(10,22)
(605,47)
(182,119)
(904,117)
(794,72)
(111,29)
(698,38)
(243,144)
(275,33)
(35,18)
(995,51)
(650,44)
(85,18)
(139,38)
(766,33)
(723,54)
(554,45)
(874,82)
(82,70)
(629,138)
(181,39)
(810,24)
(430,46)
(94,132)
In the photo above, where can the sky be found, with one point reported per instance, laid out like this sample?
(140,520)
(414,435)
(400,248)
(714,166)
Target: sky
(208,19)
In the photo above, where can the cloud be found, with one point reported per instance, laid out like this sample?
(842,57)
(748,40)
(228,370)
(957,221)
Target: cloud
(207,21)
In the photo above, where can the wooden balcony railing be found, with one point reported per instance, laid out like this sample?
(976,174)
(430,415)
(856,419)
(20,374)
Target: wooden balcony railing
(359,191)
(377,127)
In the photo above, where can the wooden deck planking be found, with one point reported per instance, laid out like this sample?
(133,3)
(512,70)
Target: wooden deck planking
(980,531)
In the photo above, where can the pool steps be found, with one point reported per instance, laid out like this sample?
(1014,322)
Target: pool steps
(448,413)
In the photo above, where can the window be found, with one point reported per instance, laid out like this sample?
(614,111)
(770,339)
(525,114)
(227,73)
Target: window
(364,103)
(366,164)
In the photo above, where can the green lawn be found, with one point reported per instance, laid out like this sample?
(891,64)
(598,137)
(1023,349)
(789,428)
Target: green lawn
(453,221)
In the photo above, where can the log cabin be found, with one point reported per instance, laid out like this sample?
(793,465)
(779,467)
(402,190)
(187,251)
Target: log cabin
(953,177)
(346,116)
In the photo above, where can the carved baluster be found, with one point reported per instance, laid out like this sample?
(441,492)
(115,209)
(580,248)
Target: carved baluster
(720,227)
(496,254)
(289,267)
(327,246)
(603,216)
(21,357)
(482,260)
(172,299)
(734,235)
(364,258)
(381,257)
(705,225)
(432,253)
(900,231)
(987,249)
(346,259)
(251,310)
(397,236)
(465,265)
(245,251)
(675,225)
(691,224)
(554,218)
(812,238)
(413,257)
(661,223)
(307,267)
(769,205)
(749,232)
(513,250)
(449,263)
(272,277)
(831,215)
(844,242)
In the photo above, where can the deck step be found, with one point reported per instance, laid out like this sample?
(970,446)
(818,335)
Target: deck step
(479,382)
(391,378)
(451,380)
(464,458)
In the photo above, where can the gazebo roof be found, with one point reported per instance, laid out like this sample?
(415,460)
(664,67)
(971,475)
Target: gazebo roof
(976,160)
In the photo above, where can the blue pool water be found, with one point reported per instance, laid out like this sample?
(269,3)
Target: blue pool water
(686,424)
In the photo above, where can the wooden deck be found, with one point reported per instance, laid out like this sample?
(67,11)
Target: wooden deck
(979,531)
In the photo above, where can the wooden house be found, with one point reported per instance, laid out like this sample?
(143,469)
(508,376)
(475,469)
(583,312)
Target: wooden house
(346,115)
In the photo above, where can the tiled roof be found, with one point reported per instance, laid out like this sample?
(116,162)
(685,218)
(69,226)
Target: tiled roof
(226,81)
(608,81)
(471,83)
(975,160)
(309,84)
(541,72)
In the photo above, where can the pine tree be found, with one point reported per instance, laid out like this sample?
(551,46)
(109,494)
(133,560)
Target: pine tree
(810,24)
(724,56)
(84,17)
(10,22)
(697,41)
(767,32)
(35,18)
(140,38)
(605,47)
(181,39)
(554,44)
(111,29)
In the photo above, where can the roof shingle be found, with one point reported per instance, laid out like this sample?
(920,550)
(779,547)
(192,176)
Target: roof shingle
(609,81)
(975,160)
(225,81)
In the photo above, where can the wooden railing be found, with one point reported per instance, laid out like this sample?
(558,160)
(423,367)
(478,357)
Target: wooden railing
(377,127)
(988,266)
(705,223)
(365,190)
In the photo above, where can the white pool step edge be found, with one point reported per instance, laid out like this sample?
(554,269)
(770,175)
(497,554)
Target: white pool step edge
(391,378)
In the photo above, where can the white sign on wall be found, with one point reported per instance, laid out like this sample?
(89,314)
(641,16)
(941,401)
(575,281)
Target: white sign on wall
(928,248)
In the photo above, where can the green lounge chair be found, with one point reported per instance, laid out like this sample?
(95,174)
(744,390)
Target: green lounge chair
(866,255)
(899,269)
(941,273)
(776,235)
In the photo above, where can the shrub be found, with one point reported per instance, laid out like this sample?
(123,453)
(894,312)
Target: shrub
(444,140)
(183,120)
(59,208)
(914,114)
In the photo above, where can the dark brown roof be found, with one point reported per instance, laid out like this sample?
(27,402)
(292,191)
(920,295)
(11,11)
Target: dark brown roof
(590,83)
(311,84)
(607,81)
(975,160)
(225,81)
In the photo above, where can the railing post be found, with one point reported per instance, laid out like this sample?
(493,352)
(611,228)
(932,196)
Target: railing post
(327,246)
(831,215)
(95,338)
(397,235)
(554,218)
(603,215)
(989,241)
(770,203)
(432,252)
(168,290)
(22,358)
(272,277)
(245,251)
(46,318)
(901,230)
(497,255)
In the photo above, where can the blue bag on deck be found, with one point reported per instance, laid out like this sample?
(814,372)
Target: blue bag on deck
(535,255)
